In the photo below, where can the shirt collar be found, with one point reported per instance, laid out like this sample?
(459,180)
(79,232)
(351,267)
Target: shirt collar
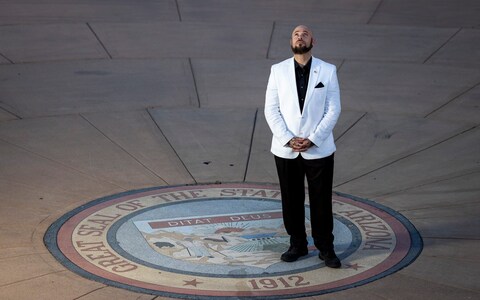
(306,67)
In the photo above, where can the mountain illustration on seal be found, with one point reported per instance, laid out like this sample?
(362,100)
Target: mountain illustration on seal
(257,242)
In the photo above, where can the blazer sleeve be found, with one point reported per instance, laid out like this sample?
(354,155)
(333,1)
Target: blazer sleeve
(331,112)
(273,115)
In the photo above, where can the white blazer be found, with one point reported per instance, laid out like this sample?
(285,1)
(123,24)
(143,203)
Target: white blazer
(320,112)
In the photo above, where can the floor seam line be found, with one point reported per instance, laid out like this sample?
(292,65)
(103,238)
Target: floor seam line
(251,145)
(92,291)
(9,60)
(171,146)
(99,40)
(199,105)
(350,127)
(438,283)
(123,149)
(429,183)
(375,12)
(178,11)
(451,100)
(32,278)
(270,40)
(442,45)
(409,155)
(60,163)
(9,112)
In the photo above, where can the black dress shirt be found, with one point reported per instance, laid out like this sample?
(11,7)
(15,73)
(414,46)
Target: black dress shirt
(301,76)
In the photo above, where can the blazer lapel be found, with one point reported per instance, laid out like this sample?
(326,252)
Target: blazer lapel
(291,78)
(293,81)
(312,80)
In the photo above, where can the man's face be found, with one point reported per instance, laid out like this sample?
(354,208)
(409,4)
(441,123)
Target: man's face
(302,40)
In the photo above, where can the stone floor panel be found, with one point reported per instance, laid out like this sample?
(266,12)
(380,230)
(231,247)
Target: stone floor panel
(453,190)
(52,89)
(426,166)
(6,116)
(428,13)
(100,158)
(31,11)
(404,285)
(71,41)
(456,249)
(464,108)
(4,60)
(345,11)
(382,139)
(460,49)
(461,275)
(199,39)
(261,167)
(138,135)
(43,174)
(108,293)
(55,285)
(19,268)
(231,82)
(404,89)
(213,144)
(449,226)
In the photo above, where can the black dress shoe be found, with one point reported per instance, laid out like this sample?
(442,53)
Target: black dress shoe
(331,260)
(293,253)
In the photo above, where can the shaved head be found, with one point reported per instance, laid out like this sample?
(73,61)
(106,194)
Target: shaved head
(302,40)
(303,28)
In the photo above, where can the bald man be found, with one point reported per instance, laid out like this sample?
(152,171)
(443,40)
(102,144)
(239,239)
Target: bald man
(302,106)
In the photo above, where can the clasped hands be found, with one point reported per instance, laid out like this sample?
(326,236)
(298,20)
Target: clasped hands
(299,144)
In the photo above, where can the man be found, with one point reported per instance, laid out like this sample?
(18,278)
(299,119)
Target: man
(302,106)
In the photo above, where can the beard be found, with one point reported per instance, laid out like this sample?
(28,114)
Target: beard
(302,49)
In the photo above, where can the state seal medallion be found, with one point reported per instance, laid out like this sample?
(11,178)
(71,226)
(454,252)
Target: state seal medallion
(224,241)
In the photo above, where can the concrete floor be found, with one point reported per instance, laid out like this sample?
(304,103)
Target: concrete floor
(99,97)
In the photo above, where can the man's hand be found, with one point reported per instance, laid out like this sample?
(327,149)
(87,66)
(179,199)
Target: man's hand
(300,144)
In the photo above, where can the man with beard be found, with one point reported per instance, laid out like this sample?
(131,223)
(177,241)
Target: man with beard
(302,106)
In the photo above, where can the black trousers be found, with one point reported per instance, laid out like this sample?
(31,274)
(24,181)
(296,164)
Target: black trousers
(319,174)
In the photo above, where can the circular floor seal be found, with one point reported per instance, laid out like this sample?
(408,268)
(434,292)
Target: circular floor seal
(224,241)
